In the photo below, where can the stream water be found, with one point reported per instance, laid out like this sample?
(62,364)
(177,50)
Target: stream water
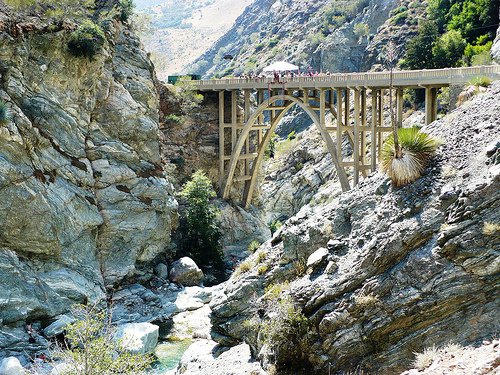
(169,355)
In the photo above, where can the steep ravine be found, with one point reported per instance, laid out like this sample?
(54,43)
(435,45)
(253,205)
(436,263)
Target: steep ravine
(394,270)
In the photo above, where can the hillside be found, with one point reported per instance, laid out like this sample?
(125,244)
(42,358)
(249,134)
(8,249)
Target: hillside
(179,32)
(333,36)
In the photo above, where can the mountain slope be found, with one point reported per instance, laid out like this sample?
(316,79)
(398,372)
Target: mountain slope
(182,31)
(334,36)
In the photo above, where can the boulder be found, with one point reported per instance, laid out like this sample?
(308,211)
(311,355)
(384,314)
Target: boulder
(185,271)
(161,270)
(138,338)
(11,366)
(59,326)
(317,258)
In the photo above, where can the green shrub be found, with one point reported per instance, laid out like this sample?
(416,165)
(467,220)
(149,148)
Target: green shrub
(126,8)
(292,135)
(448,50)
(284,327)
(253,246)
(91,348)
(399,18)
(417,148)
(87,40)
(19,4)
(173,119)
(202,242)
(480,81)
(273,42)
(4,113)
(274,225)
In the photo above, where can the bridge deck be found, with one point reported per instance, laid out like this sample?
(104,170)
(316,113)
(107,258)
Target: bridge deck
(407,79)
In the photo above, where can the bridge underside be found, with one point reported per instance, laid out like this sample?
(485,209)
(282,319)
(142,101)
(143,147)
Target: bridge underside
(246,126)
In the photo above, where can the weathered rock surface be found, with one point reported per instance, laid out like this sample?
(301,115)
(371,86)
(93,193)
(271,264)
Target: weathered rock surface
(11,366)
(205,357)
(495,49)
(411,267)
(185,272)
(138,338)
(455,359)
(84,202)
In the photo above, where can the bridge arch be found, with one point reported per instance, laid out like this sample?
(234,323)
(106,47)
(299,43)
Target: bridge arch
(266,106)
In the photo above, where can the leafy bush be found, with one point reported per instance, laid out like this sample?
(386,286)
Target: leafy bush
(273,42)
(448,50)
(91,348)
(19,4)
(292,135)
(4,113)
(399,18)
(417,148)
(480,81)
(126,8)
(173,119)
(202,242)
(87,40)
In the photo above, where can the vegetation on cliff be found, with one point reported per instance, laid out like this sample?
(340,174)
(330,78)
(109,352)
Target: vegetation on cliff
(456,32)
(202,231)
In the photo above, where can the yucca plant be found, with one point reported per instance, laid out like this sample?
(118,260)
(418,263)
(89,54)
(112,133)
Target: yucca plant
(4,113)
(416,149)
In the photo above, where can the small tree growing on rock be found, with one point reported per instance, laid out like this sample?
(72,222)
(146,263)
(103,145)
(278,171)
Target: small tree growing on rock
(86,40)
(91,348)
(202,242)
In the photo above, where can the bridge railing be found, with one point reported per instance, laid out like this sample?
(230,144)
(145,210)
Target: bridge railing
(414,77)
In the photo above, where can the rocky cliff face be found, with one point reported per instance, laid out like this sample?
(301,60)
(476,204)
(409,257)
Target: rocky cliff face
(380,273)
(323,35)
(84,200)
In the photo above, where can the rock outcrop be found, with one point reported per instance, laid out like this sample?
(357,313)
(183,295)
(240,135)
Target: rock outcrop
(138,338)
(185,272)
(495,49)
(405,269)
(84,202)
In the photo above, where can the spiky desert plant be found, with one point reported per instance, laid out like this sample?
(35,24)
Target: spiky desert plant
(4,113)
(416,149)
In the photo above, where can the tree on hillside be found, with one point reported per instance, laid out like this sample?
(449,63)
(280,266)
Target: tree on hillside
(202,242)
(419,49)
(448,50)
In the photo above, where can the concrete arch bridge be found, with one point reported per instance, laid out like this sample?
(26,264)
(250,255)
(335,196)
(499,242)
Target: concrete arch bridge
(243,138)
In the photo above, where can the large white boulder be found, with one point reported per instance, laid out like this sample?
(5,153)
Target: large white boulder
(138,338)
(185,271)
(11,366)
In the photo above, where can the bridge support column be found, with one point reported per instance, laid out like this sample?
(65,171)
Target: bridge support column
(373,132)
(340,124)
(357,97)
(430,105)
(222,152)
